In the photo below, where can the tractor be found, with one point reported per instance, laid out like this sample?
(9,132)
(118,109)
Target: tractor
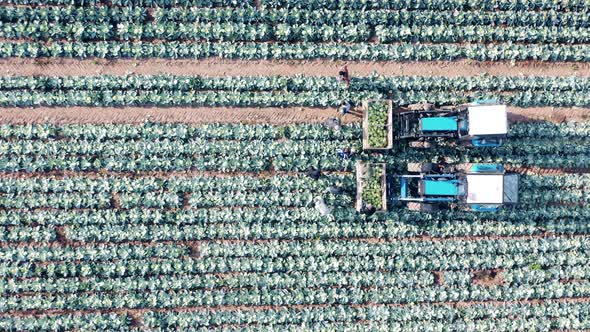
(481,123)
(429,187)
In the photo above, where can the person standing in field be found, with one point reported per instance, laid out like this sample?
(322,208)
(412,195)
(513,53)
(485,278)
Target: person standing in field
(344,108)
(343,75)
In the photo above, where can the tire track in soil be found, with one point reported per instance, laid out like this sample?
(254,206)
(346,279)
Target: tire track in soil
(242,115)
(225,67)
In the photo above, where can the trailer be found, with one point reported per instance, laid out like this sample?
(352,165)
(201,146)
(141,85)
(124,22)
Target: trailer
(377,125)
(371,186)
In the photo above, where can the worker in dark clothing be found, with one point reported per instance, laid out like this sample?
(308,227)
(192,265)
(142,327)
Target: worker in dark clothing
(343,75)
(313,172)
(441,165)
(368,210)
(344,107)
(335,190)
(343,153)
(333,124)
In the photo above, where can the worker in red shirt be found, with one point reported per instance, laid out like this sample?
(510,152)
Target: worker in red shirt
(343,75)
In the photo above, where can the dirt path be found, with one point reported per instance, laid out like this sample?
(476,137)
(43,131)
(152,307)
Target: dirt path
(135,115)
(223,67)
(202,115)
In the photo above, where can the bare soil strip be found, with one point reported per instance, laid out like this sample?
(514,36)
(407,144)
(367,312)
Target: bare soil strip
(186,115)
(245,115)
(225,67)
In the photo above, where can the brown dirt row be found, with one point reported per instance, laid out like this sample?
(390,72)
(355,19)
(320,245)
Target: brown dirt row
(186,115)
(245,115)
(155,174)
(533,170)
(224,67)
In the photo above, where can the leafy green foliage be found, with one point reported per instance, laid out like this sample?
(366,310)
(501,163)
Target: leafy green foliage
(373,187)
(378,120)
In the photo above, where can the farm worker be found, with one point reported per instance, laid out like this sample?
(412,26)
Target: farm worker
(441,164)
(333,123)
(313,173)
(368,210)
(344,108)
(321,206)
(335,189)
(343,153)
(343,75)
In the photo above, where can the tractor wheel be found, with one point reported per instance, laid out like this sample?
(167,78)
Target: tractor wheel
(420,144)
(420,167)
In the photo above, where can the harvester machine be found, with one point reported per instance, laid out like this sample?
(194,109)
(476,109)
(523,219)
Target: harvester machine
(481,123)
(430,187)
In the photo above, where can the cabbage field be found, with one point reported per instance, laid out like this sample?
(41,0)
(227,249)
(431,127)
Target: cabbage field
(295,29)
(158,165)
(103,229)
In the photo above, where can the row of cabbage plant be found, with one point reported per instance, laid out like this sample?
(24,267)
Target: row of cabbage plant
(24,98)
(406,314)
(430,4)
(232,31)
(64,322)
(153,216)
(295,51)
(158,131)
(297,83)
(324,229)
(131,3)
(163,148)
(323,16)
(27,234)
(212,280)
(508,222)
(295,296)
(359,263)
(292,16)
(94,252)
(319,264)
(276,183)
(392,248)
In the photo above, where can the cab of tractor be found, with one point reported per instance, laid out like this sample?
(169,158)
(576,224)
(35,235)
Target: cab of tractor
(483,124)
(490,187)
